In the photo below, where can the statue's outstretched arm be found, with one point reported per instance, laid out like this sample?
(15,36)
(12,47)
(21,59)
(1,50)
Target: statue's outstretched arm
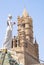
(13,23)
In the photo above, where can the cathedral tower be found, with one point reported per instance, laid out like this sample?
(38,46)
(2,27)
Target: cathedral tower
(25,23)
(26,50)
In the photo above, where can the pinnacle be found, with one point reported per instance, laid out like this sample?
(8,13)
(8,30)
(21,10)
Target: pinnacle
(25,14)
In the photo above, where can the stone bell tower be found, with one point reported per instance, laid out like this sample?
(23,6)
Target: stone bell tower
(26,50)
(25,27)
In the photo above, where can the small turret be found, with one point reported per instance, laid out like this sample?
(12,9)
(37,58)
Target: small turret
(14,42)
(36,50)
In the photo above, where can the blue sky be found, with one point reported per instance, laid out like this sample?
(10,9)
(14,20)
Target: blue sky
(35,8)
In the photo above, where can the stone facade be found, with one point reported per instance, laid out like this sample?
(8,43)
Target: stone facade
(26,50)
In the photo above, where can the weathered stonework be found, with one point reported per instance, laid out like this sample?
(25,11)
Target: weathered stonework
(26,51)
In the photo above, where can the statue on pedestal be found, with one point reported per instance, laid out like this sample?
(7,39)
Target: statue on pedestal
(8,36)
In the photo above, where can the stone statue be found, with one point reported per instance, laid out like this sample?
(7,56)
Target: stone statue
(8,36)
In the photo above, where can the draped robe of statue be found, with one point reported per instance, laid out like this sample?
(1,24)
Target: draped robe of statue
(8,36)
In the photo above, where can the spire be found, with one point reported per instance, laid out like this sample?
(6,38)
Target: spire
(35,41)
(25,14)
